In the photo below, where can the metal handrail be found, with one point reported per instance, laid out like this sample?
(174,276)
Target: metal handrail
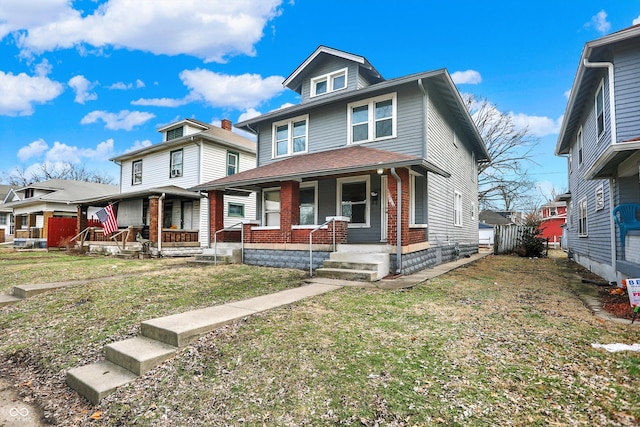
(311,242)
(215,241)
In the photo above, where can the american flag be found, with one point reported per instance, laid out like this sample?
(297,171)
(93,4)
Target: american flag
(108,220)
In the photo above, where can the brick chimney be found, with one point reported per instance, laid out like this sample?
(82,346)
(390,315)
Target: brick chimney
(226,124)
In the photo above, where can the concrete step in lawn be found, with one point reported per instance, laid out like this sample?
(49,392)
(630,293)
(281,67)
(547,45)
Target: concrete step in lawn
(347,274)
(8,300)
(162,337)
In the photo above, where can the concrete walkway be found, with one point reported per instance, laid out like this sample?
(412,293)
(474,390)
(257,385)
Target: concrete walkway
(162,337)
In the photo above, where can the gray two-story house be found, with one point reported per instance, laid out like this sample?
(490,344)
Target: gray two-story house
(361,169)
(600,136)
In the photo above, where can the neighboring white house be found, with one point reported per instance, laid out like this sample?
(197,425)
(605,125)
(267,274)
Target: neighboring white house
(7,194)
(154,182)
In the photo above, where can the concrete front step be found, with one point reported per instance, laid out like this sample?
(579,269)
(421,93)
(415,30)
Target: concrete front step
(98,380)
(182,329)
(347,274)
(26,291)
(8,300)
(350,265)
(139,354)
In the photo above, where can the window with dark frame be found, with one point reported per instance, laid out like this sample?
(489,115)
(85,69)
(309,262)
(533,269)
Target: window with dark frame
(232,162)
(176,164)
(136,172)
(175,133)
(600,111)
(235,210)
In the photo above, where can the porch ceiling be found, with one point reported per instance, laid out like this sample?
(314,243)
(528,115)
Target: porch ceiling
(343,161)
(169,191)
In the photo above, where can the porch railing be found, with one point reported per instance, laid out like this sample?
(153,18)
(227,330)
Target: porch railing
(333,219)
(230,228)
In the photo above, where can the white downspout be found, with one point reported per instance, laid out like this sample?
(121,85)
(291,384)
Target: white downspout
(160,202)
(614,140)
(398,222)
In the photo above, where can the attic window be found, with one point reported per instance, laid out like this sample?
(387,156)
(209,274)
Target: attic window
(175,133)
(329,82)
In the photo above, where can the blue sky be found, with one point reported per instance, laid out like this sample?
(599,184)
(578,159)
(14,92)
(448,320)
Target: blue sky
(84,81)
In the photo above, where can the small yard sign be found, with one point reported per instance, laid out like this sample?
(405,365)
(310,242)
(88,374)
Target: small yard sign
(633,289)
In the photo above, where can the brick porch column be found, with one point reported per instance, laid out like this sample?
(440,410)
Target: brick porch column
(154,221)
(216,214)
(289,208)
(392,211)
(81,219)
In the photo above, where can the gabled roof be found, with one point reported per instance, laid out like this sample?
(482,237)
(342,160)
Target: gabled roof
(352,159)
(493,218)
(190,122)
(64,191)
(440,80)
(294,81)
(212,134)
(584,84)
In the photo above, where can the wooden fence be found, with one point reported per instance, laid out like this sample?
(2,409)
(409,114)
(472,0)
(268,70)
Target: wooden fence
(507,237)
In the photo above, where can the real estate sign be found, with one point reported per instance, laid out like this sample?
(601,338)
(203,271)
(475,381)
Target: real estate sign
(633,289)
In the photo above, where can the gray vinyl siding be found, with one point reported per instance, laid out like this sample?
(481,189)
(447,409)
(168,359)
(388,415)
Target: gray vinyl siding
(328,127)
(326,66)
(597,244)
(627,82)
(442,152)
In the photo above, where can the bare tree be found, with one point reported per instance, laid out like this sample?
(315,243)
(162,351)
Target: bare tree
(47,171)
(503,183)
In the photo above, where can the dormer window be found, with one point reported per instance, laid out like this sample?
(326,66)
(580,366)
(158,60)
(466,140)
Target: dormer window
(329,82)
(175,133)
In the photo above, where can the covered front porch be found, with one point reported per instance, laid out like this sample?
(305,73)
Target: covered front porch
(361,197)
(162,221)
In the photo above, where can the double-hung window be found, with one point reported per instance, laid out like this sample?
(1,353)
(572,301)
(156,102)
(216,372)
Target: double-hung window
(136,172)
(290,137)
(176,164)
(457,209)
(271,207)
(353,200)
(580,143)
(308,204)
(599,198)
(582,218)
(329,82)
(232,162)
(372,119)
(600,110)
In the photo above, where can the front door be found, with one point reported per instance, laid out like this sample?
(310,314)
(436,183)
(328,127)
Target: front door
(187,215)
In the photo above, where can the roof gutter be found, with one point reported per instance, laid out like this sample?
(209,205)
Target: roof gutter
(614,140)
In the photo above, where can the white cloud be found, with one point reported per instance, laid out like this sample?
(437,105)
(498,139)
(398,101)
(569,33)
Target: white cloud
(636,21)
(161,102)
(209,29)
(138,145)
(35,149)
(18,93)
(82,87)
(125,119)
(471,77)
(249,113)
(63,153)
(242,92)
(599,22)
(126,86)
(223,90)
(538,126)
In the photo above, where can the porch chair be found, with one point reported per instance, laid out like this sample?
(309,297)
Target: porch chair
(627,216)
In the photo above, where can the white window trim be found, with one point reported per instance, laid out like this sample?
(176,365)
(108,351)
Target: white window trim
(289,123)
(580,145)
(412,201)
(314,185)
(264,209)
(585,232)
(595,109)
(339,182)
(133,172)
(371,120)
(329,79)
(237,162)
(178,173)
(599,189)
(457,208)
